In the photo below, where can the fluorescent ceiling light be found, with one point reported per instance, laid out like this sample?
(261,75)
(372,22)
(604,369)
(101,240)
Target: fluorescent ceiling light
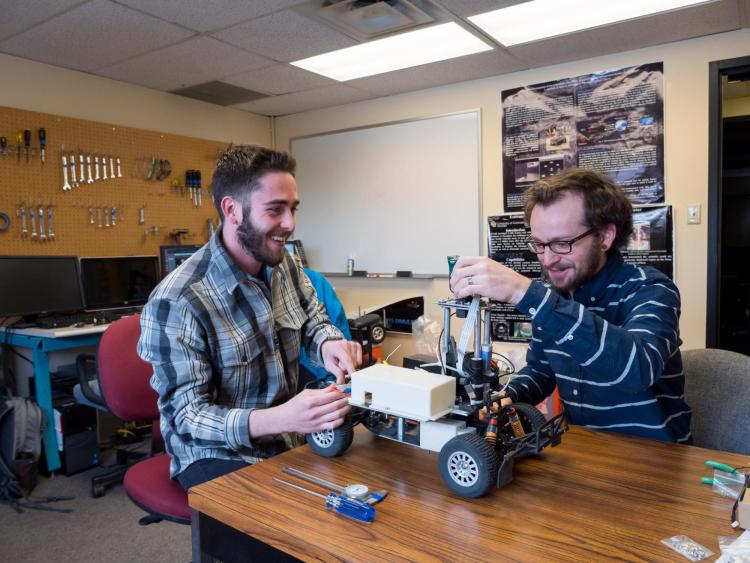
(540,19)
(427,45)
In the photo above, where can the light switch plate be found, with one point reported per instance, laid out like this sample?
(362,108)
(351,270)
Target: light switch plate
(694,214)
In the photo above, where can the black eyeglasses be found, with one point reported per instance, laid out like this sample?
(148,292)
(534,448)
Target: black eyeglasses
(556,246)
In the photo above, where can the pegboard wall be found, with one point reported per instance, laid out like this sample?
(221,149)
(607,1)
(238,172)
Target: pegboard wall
(147,212)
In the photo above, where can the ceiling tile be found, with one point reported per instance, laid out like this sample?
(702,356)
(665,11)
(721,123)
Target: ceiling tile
(474,7)
(470,67)
(678,25)
(285,36)
(305,101)
(93,35)
(194,61)
(746,20)
(19,15)
(279,79)
(209,15)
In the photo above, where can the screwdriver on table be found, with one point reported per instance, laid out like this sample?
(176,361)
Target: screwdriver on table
(359,492)
(343,505)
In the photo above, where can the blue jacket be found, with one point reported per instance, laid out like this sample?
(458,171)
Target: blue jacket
(335,311)
(612,350)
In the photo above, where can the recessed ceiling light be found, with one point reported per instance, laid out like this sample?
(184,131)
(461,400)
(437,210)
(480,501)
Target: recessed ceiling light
(541,19)
(427,45)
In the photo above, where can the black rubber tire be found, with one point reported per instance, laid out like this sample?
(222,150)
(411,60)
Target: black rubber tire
(531,419)
(377,333)
(468,465)
(332,443)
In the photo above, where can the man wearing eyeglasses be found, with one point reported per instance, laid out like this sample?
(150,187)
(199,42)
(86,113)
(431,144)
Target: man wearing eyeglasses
(605,332)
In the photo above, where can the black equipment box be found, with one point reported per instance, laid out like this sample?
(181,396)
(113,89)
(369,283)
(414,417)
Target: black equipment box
(75,429)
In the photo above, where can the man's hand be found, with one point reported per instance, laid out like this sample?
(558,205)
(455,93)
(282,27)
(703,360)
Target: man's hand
(341,357)
(477,275)
(312,410)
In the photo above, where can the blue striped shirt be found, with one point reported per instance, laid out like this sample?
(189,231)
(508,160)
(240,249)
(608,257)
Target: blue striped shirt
(612,350)
(222,343)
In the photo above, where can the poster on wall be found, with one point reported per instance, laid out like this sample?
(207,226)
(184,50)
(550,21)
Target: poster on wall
(652,241)
(611,121)
(651,244)
(506,236)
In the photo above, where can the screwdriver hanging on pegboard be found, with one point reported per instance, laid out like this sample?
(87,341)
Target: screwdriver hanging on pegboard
(42,143)
(19,140)
(27,142)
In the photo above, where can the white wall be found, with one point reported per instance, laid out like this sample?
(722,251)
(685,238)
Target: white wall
(686,155)
(48,89)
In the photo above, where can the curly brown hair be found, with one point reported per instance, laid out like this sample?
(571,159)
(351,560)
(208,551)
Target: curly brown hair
(604,202)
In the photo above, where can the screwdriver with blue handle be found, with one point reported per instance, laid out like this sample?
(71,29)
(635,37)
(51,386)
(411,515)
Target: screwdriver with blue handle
(342,504)
(720,467)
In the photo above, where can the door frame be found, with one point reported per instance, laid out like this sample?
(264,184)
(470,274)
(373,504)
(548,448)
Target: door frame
(716,70)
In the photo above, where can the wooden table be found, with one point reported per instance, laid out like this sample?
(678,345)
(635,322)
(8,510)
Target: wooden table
(596,496)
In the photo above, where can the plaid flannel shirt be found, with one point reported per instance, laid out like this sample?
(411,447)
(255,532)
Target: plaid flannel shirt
(223,343)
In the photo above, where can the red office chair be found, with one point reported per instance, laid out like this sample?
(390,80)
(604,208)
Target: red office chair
(124,384)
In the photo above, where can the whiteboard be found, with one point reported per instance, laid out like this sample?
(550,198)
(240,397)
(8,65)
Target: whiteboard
(397,196)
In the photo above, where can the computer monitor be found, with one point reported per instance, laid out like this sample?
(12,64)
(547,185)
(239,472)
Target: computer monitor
(174,255)
(118,281)
(295,248)
(39,285)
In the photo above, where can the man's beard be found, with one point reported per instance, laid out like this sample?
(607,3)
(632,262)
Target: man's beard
(252,241)
(587,269)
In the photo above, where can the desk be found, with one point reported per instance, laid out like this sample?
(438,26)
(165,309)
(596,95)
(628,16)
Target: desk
(42,342)
(596,496)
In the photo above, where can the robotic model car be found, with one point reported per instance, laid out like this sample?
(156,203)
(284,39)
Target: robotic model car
(457,415)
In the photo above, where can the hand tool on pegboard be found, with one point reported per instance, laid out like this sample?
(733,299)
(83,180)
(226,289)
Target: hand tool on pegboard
(42,230)
(32,220)
(5,222)
(90,179)
(66,185)
(42,144)
(19,142)
(81,163)
(72,169)
(22,214)
(50,229)
(27,142)
(3,146)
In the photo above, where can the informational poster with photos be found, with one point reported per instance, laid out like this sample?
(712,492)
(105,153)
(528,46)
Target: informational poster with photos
(611,121)
(652,241)
(651,244)
(507,235)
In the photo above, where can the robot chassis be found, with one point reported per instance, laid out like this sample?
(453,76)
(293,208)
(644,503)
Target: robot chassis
(495,437)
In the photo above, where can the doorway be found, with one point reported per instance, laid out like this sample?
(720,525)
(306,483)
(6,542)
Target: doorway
(728,303)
